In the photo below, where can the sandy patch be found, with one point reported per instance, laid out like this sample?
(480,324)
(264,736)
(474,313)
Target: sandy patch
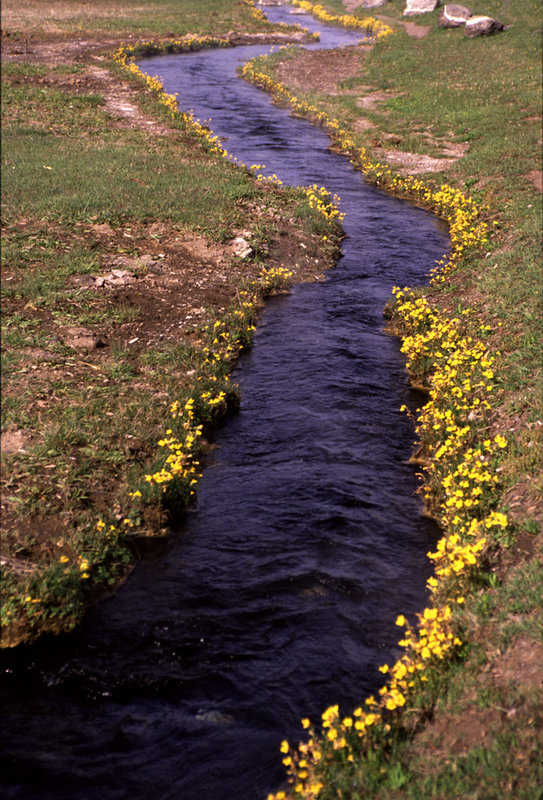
(373,99)
(535,177)
(414,163)
(323,70)
(415,31)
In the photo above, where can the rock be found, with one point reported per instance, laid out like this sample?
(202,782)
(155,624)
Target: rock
(15,441)
(241,247)
(414,7)
(85,281)
(124,261)
(146,260)
(133,262)
(371,3)
(482,26)
(453,16)
(214,717)
(79,338)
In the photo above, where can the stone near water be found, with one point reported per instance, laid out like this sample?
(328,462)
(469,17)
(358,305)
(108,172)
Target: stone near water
(414,7)
(241,247)
(214,717)
(371,3)
(482,26)
(453,16)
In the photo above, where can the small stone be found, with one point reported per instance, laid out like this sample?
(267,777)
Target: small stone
(147,260)
(85,281)
(482,26)
(414,7)
(371,3)
(453,16)
(241,247)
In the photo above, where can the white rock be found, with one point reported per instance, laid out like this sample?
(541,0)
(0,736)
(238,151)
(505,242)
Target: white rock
(414,7)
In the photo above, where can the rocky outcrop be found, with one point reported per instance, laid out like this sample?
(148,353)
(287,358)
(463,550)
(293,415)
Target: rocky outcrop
(482,26)
(453,16)
(414,7)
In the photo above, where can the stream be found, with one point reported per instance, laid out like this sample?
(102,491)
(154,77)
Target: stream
(278,595)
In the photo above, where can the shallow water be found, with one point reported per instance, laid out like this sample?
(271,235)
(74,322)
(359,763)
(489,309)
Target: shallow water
(278,596)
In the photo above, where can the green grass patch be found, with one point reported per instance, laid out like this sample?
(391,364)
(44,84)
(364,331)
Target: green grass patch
(135,17)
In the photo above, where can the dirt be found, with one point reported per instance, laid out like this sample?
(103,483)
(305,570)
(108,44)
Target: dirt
(414,163)
(416,31)
(323,70)
(57,48)
(451,735)
(535,176)
(521,665)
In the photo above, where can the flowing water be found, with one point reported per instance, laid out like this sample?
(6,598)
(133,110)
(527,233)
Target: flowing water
(278,595)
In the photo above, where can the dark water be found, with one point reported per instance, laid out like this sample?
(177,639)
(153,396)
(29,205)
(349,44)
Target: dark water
(278,596)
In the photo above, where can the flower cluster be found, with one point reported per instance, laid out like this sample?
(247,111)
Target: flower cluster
(450,355)
(181,463)
(255,12)
(186,44)
(274,278)
(372,26)
(321,199)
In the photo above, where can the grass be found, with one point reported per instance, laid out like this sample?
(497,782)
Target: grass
(134,17)
(118,178)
